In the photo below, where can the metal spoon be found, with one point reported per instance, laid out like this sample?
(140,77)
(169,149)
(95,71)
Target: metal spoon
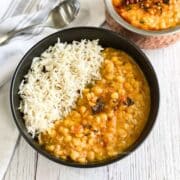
(63,14)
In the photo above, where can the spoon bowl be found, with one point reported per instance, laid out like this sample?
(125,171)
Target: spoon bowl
(60,16)
(63,14)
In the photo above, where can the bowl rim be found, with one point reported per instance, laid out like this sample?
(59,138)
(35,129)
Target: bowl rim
(128,26)
(24,133)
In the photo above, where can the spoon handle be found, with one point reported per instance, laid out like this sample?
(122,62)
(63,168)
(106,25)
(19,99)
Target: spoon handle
(6,37)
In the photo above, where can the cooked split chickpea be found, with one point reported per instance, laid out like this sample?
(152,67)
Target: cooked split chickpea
(91,142)
(112,153)
(52,133)
(120,79)
(109,137)
(82,160)
(126,126)
(76,141)
(113,122)
(59,153)
(116,2)
(128,87)
(122,133)
(115,95)
(91,156)
(90,117)
(109,66)
(82,109)
(103,117)
(104,123)
(109,77)
(98,119)
(97,90)
(50,147)
(76,114)
(86,90)
(74,155)
(115,59)
(63,130)
(110,114)
(91,98)
(67,138)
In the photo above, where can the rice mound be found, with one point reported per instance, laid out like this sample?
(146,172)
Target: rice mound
(55,80)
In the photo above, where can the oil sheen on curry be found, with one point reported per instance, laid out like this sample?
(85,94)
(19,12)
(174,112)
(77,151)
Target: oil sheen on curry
(109,115)
(149,14)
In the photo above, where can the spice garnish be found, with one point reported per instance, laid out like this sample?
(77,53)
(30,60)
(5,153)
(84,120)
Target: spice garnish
(128,102)
(98,107)
(44,70)
(166,1)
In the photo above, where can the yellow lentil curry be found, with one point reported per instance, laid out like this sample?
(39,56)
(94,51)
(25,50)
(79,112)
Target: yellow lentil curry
(109,116)
(149,14)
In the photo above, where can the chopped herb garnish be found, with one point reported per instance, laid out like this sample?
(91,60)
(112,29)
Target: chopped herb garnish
(88,126)
(128,102)
(128,7)
(87,134)
(90,85)
(166,1)
(95,131)
(98,107)
(142,21)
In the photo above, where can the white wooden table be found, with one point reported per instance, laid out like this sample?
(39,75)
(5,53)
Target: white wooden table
(157,159)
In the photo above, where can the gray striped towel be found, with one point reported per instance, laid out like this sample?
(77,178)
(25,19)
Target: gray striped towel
(15,15)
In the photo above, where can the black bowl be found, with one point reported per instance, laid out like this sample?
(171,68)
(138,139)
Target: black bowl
(106,39)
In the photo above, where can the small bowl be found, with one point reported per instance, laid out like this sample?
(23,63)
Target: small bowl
(106,39)
(146,39)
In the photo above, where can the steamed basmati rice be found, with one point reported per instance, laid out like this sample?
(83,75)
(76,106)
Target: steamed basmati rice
(55,80)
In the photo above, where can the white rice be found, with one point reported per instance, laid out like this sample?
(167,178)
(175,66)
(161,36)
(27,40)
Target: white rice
(52,85)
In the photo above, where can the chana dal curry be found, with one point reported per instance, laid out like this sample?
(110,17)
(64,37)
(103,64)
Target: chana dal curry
(109,115)
(149,14)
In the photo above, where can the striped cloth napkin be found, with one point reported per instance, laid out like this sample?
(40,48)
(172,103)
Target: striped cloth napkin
(15,14)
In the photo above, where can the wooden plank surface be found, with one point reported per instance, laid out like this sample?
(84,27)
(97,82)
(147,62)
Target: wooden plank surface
(157,159)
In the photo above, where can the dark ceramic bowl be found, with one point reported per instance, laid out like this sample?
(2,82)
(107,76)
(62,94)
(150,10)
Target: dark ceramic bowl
(106,39)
